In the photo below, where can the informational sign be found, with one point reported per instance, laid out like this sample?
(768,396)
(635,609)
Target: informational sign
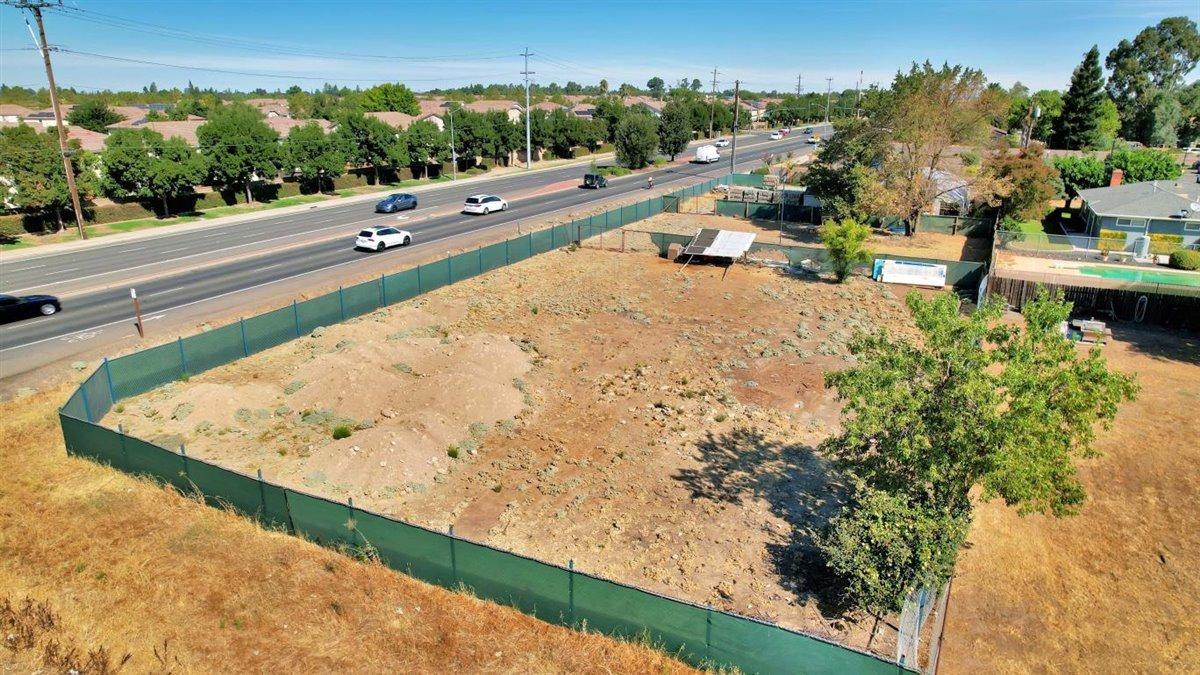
(910,273)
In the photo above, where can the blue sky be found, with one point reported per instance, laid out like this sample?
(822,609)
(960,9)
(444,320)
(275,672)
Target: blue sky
(764,44)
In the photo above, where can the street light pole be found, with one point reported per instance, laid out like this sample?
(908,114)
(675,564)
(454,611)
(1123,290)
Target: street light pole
(737,84)
(528,136)
(453,150)
(36,9)
(828,96)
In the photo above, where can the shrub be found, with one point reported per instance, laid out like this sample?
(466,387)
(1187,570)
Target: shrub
(452,452)
(1185,259)
(1112,241)
(760,171)
(844,240)
(1165,243)
(340,432)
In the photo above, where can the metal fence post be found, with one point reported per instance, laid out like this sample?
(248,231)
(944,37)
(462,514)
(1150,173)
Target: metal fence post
(245,343)
(571,590)
(449,268)
(552,229)
(453,558)
(112,391)
(606,219)
(296,316)
(342,303)
(530,238)
(124,448)
(708,632)
(419,291)
(183,367)
(382,290)
(353,523)
(506,260)
(262,495)
(480,249)
(87,407)
(183,455)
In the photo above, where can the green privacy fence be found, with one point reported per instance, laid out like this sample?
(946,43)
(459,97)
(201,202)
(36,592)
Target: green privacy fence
(564,595)
(967,226)
(960,274)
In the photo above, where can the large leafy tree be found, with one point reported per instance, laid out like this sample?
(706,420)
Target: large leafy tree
(366,141)
(390,96)
(93,115)
(238,146)
(636,140)
(928,112)
(1080,173)
(1078,125)
(975,403)
(425,145)
(313,156)
(674,128)
(656,86)
(842,174)
(32,164)
(1030,183)
(1144,164)
(140,164)
(1153,64)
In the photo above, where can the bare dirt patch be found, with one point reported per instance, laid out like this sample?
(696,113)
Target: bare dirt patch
(1117,587)
(656,426)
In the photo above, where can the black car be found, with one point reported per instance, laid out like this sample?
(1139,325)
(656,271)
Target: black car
(594,181)
(13,308)
(808,130)
(396,202)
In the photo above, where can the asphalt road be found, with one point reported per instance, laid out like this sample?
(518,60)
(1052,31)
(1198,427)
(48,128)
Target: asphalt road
(176,271)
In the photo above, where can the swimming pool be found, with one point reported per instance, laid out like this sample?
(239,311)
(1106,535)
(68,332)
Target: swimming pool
(1143,276)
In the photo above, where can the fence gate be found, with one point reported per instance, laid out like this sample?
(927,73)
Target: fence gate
(670,203)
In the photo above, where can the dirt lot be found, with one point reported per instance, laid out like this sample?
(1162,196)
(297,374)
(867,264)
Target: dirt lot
(654,425)
(1116,588)
(921,245)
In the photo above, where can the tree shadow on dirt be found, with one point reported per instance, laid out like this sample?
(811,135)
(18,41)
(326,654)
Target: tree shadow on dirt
(800,487)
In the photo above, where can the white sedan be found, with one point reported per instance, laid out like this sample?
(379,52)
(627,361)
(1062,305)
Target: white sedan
(484,204)
(776,136)
(380,237)
(721,142)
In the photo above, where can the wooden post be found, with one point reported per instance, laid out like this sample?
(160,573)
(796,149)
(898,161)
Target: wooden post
(137,310)
(622,240)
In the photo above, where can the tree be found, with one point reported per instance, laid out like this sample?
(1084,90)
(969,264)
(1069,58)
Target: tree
(1189,103)
(696,85)
(842,176)
(140,164)
(612,111)
(1156,61)
(844,241)
(425,145)
(1030,183)
(390,96)
(674,129)
(603,87)
(1078,125)
(1144,164)
(927,113)
(1108,125)
(366,141)
(636,140)
(1080,173)
(32,164)
(1161,120)
(656,86)
(93,115)
(238,146)
(313,156)
(973,404)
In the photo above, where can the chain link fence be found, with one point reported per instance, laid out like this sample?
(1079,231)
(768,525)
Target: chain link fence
(697,634)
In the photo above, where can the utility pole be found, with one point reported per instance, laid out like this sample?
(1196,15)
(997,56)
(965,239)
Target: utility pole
(35,7)
(828,96)
(799,84)
(712,108)
(528,113)
(737,85)
(453,150)
(858,94)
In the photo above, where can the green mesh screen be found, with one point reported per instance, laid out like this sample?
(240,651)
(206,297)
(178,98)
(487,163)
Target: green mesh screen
(532,586)
(142,371)
(151,460)
(400,287)
(520,248)
(494,256)
(760,648)
(214,348)
(539,242)
(222,486)
(464,265)
(561,235)
(434,275)
(96,395)
(321,520)
(408,548)
(621,610)
(324,310)
(74,407)
(628,214)
(91,440)
(655,206)
(271,329)
(361,298)
(763,211)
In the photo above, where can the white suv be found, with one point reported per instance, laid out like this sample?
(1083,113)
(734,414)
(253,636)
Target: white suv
(484,204)
(380,237)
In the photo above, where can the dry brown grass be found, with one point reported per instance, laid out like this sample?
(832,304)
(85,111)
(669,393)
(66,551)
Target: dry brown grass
(113,565)
(1117,587)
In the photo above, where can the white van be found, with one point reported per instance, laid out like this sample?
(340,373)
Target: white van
(707,154)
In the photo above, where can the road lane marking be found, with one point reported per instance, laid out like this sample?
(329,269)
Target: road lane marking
(127,250)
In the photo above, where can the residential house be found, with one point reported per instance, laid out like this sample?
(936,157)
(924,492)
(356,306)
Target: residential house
(13,113)
(548,106)
(185,129)
(585,111)
(647,103)
(284,125)
(752,110)
(404,120)
(88,140)
(1169,208)
(45,116)
(510,108)
(270,107)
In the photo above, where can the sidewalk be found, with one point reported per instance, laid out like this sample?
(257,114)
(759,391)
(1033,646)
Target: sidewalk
(126,237)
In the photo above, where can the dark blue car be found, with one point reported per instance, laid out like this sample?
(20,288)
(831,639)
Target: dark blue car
(396,202)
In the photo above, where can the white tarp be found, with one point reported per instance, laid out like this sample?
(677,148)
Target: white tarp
(730,244)
(910,273)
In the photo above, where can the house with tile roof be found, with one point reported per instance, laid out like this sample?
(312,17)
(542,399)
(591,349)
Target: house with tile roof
(404,120)
(13,113)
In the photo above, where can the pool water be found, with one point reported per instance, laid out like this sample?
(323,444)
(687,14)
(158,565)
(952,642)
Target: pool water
(1144,276)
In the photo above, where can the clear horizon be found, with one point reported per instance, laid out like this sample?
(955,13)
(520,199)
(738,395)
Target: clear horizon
(765,45)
